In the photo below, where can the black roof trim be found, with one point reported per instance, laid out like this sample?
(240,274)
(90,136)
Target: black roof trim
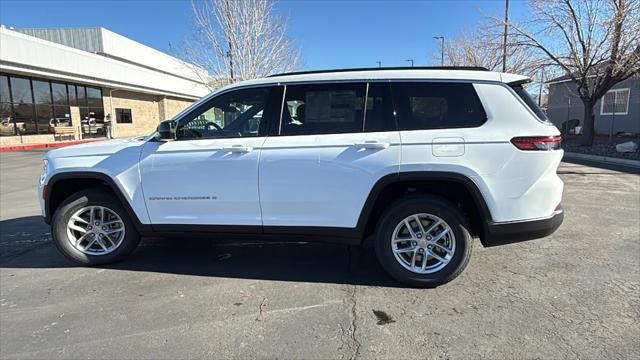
(474,68)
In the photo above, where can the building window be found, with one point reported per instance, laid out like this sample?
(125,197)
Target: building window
(123,116)
(615,102)
(73,97)
(36,106)
(4,90)
(7,125)
(94,97)
(23,111)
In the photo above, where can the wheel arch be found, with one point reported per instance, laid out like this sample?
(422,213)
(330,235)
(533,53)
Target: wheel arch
(62,185)
(449,185)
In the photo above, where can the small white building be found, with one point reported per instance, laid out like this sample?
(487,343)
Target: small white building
(63,83)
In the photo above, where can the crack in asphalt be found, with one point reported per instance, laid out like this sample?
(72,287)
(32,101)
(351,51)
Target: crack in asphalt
(354,344)
(263,303)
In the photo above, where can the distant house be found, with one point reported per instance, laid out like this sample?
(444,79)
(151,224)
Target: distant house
(617,111)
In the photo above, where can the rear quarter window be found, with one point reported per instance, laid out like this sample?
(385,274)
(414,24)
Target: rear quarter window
(434,105)
(531,104)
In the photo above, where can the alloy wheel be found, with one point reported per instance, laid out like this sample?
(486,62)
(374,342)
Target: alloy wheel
(95,230)
(423,243)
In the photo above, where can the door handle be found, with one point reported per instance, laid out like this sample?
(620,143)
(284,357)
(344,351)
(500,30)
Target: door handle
(237,149)
(372,144)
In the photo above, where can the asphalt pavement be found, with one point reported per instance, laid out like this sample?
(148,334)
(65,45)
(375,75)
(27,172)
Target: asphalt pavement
(575,294)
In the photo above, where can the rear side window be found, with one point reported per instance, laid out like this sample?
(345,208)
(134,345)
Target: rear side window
(524,95)
(323,109)
(432,105)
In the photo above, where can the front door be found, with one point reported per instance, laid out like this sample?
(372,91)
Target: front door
(209,174)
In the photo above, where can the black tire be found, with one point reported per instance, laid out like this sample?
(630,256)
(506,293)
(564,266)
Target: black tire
(431,205)
(86,198)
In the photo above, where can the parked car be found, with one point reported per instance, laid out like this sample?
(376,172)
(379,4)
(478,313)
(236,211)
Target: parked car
(414,162)
(92,127)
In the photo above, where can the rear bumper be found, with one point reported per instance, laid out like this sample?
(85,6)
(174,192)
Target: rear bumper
(517,231)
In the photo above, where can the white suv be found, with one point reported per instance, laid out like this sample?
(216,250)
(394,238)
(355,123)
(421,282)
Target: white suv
(414,162)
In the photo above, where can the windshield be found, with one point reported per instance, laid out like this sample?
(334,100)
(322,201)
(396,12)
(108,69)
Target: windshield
(524,95)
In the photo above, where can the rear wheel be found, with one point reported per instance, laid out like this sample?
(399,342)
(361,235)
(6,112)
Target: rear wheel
(91,227)
(423,241)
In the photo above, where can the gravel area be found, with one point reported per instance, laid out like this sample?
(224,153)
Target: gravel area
(601,146)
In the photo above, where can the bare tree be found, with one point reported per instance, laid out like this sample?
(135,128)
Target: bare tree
(595,43)
(239,40)
(484,48)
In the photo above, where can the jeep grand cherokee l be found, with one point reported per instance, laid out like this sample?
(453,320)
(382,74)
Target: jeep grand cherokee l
(414,162)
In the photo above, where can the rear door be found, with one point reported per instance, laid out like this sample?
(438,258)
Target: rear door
(438,124)
(318,169)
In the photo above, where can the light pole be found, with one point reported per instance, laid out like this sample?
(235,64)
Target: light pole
(441,38)
(379,63)
(410,60)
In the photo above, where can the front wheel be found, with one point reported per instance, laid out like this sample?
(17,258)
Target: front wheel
(423,241)
(92,228)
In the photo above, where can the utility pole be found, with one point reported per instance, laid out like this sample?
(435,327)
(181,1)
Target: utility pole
(410,60)
(230,55)
(441,38)
(379,63)
(229,32)
(504,39)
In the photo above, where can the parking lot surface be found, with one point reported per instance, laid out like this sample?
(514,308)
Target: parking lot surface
(575,294)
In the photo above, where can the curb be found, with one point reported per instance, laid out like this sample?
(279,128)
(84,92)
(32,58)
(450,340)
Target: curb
(605,159)
(44,146)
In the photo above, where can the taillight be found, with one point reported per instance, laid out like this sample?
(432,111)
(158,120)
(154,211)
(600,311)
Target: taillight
(533,143)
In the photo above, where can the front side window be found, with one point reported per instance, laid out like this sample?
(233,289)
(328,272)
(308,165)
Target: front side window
(323,109)
(432,105)
(234,114)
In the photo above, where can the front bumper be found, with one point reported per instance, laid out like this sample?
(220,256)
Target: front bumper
(517,231)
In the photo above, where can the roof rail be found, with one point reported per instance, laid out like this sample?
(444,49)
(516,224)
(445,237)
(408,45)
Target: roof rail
(475,68)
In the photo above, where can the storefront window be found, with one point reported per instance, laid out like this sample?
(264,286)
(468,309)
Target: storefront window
(82,96)
(44,116)
(37,106)
(24,119)
(41,92)
(62,115)
(7,127)
(94,97)
(4,90)
(21,90)
(59,94)
(73,98)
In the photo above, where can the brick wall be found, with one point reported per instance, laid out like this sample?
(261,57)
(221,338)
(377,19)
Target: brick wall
(146,110)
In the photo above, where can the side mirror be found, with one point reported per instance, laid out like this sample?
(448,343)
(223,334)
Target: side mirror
(166,130)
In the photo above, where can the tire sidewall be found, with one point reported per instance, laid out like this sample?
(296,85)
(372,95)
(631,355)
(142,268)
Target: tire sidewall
(430,205)
(92,198)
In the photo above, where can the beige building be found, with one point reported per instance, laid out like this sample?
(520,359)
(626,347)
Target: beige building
(76,83)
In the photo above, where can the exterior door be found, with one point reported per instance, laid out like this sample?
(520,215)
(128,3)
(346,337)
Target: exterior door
(320,168)
(209,174)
